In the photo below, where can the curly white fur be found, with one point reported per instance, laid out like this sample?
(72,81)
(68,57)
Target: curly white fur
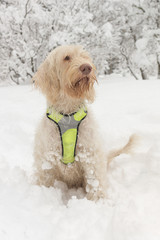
(57,79)
(67,89)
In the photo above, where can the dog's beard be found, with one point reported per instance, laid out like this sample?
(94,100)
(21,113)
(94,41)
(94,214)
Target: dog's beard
(82,83)
(81,87)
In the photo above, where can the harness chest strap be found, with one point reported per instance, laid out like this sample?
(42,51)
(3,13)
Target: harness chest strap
(68,126)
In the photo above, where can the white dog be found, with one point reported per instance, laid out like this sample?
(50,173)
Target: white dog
(67,145)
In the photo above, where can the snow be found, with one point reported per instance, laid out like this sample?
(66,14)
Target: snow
(141,44)
(132,211)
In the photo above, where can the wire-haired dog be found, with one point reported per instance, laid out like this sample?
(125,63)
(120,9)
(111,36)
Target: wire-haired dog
(67,145)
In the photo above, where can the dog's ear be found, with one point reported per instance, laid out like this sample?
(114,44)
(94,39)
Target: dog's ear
(46,78)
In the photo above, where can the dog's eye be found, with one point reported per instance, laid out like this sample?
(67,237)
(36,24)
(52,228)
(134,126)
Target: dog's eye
(67,58)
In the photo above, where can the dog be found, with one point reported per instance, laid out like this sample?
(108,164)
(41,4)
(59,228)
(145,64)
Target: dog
(67,78)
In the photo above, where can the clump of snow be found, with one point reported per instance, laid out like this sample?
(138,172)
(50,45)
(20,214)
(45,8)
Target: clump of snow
(107,29)
(141,43)
(132,211)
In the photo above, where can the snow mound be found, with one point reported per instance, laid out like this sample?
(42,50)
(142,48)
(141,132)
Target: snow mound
(132,210)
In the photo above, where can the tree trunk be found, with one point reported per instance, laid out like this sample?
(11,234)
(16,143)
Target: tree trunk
(132,72)
(128,65)
(143,74)
(158,70)
(158,65)
(32,64)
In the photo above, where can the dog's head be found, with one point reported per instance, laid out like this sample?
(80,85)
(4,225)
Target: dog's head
(68,70)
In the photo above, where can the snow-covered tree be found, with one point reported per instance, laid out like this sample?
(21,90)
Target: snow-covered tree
(33,28)
(137,25)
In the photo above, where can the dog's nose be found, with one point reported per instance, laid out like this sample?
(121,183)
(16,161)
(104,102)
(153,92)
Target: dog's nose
(85,69)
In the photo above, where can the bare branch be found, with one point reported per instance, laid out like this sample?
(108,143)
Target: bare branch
(128,65)
(16,75)
(25,15)
(139,7)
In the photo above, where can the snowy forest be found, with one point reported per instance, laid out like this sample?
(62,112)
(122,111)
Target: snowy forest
(121,36)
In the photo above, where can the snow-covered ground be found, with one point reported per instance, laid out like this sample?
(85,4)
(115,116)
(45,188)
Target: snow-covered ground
(132,210)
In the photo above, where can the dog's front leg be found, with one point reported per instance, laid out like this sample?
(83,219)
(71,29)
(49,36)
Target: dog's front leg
(95,179)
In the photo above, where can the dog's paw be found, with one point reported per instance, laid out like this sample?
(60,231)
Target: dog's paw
(95,196)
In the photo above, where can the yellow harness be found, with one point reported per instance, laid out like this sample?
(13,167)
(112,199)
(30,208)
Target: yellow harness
(68,126)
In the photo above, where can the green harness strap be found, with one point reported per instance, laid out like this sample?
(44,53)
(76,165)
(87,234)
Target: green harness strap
(68,126)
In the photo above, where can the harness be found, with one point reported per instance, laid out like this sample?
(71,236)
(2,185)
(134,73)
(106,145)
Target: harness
(68,126)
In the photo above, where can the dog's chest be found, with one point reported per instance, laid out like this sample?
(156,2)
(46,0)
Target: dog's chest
(84,145)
